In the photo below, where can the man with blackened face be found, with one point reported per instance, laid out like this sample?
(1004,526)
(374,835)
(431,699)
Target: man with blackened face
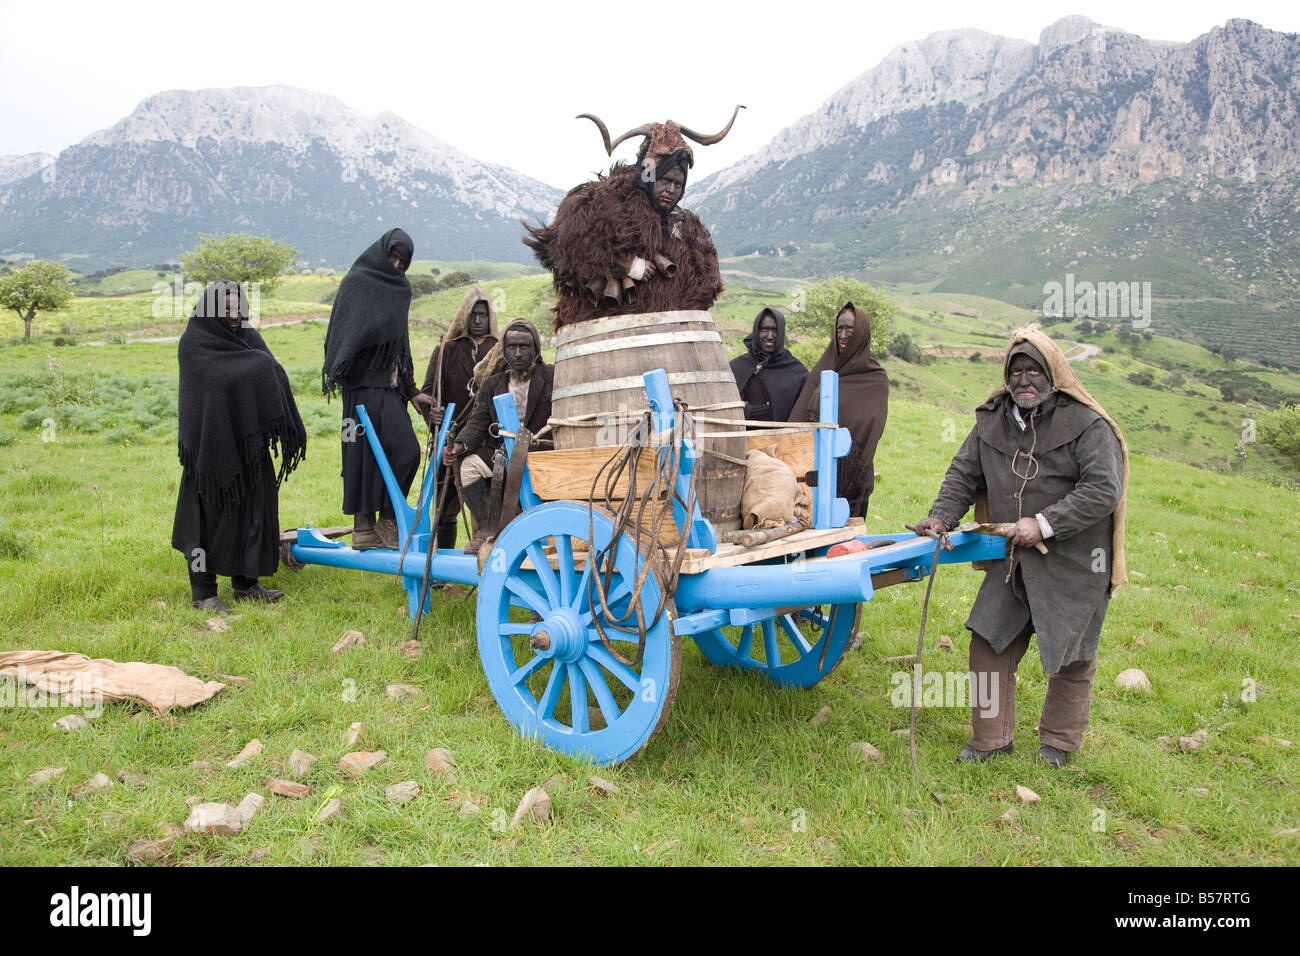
(768,376)
(519,370)
(1045,459)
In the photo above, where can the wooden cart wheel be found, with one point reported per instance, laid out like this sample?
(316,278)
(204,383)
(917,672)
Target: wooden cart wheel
(540,649)
(787,648)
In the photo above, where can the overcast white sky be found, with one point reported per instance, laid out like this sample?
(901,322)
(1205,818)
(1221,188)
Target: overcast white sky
(502,79)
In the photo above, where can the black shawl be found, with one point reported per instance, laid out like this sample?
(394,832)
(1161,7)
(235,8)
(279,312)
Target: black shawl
(371,310)
(780,375)
(235,403)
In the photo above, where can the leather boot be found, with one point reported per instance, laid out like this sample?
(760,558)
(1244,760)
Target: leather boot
(476,496)
(386,529)
(363,533)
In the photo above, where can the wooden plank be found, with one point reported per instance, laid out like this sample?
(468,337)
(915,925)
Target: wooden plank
(567,475)
(795,450)
(290,536)
(733,555)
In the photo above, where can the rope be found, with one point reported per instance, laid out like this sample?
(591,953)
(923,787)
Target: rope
(625,461)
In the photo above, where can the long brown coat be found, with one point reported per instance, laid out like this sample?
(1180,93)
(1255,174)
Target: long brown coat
(1076,486)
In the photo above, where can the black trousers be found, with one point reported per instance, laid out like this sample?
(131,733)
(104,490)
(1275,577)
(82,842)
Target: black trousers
(203,584)
(363,482)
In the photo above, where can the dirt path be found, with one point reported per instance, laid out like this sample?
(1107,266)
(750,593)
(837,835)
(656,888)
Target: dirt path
(292,319)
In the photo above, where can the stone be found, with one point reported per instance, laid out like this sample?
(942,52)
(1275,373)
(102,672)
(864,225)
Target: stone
(251,750)
(151,851)
(1192,742)
(468,809)
(1165,742)
(441,762)
(44,775)
(1268,739)
(554,782)
(192,801)
(402,691)
(202,765)
(96,784)
(360,762)
(286,788)
(1140,641)
(354,733)
(945,643)
(132,780)
(1200,791)
(1012,816)
(902,731)
(403,792)
(250,805)
(1133,679)
(260,854)
(411,649)
(331,811)
(821,716)
(535,807)
(216,625)
(601,787)
(232,679)
(220,819)
(70,723)
(1180,587)
(300,763)
(349,639)
(1025,795)
(865,751)
(1291,833)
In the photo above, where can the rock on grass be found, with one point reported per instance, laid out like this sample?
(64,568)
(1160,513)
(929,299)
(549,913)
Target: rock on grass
(70,723)
(1025,795)
(601,787)
(349,639)
(331,811)
(865,751)
(403,792)
(402,691)
(821,716)
(151,851)
(287,788)
(300,763)
(44,775)
(1193,742)
(441,762)
(535,807)
(358,763)
(1133,679)
(251,750)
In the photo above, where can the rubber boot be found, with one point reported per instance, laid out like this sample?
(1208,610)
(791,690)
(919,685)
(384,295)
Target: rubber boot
(363,533)
(386,529)
(476,496)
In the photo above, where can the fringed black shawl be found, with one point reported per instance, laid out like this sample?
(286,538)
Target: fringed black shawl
(780,374)
(235,403)
(371,310)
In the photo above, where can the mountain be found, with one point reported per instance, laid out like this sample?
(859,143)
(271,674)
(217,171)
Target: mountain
(968,162)
(279,161)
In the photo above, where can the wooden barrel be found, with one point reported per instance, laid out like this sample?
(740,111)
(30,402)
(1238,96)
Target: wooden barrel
(598,369)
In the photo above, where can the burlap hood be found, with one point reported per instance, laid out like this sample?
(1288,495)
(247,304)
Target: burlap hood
(459,324)
(1064,380)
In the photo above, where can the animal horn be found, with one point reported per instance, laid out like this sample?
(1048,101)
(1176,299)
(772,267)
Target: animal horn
(716,137)
(604,132)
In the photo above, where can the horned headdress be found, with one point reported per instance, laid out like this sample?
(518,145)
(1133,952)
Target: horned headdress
(661,139)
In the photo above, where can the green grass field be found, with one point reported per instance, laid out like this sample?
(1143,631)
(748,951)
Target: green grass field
(738,775)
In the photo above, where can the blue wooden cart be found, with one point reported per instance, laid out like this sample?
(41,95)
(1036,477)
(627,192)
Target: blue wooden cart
(555,662)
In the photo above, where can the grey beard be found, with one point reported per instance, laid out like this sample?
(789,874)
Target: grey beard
(1036,403)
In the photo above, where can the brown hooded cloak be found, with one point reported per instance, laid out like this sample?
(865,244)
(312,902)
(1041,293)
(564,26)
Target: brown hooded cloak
(864,407)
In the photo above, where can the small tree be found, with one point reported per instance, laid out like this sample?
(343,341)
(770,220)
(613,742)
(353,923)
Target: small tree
(822,302)
(239,257)
(902,346)
(1280,430)
(39,286)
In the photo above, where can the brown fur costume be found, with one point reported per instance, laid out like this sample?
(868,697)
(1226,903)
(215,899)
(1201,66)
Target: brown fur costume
(600,228)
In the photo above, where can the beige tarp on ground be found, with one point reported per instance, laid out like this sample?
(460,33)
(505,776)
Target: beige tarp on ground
(81,679)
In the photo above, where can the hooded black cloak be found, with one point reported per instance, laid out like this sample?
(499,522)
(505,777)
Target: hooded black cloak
(864,407)
(769,384)
(235,408)
(368,323)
